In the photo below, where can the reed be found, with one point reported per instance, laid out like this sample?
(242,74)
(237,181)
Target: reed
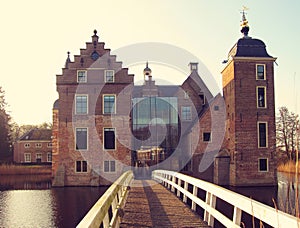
(13,169)
(288,167)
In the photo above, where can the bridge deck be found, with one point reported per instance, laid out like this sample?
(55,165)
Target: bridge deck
(155,206)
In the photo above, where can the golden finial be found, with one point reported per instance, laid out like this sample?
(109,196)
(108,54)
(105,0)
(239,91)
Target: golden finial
(244,24)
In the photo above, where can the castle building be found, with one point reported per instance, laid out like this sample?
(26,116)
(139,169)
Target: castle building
(103,124)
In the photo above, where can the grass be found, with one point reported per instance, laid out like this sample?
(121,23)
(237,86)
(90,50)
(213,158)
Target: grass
(12,169)
(288,167)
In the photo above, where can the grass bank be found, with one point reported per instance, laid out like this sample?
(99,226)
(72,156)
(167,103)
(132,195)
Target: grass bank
(13,169)
(288,167)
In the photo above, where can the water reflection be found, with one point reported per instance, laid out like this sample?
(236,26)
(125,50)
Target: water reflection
(26,208)
(50,207)
(65,207)
(9,182)
(288,188)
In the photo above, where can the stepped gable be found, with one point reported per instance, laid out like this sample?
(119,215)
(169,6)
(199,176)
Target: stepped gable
(93,57)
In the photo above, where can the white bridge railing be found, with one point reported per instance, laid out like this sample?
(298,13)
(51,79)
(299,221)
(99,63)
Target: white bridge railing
(108,209)
(179,184)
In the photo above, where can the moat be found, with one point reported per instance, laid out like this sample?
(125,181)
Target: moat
(31,202)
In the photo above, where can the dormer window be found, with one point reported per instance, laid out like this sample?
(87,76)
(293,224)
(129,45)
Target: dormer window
(260,72)
(109,76)
(38,145)
(26,145)
(81,76)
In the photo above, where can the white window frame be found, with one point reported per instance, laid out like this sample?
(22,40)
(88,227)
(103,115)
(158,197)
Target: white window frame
(49,145)
(265,96)
(39,155)
(190,116)
(115,143)
(87,139)
(49,155)
(115,104)
(113,76)
(263,171)
(256,71)
(87,104)
(82,81)
(25,155)
(38,145)
(267,134)
(27,145)
(109,167)
(81,166)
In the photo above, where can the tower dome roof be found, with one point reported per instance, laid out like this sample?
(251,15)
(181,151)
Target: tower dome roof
(248,47)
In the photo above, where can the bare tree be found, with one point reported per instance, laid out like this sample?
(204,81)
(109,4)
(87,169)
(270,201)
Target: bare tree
(287,124)
(5,129)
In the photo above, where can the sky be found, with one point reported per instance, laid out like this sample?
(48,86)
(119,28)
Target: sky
(36,36)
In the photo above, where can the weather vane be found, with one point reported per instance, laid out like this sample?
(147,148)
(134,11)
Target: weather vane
(244,20)
(244,24)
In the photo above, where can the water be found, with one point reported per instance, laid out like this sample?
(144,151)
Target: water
(43,206)
(31,202)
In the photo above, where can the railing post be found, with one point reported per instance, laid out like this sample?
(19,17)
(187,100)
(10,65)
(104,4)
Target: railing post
(195,193)
(174,181)
(237,215)
(169,178)
(179,184)
(165,178)
(185,188)
(106,221)
(211,201)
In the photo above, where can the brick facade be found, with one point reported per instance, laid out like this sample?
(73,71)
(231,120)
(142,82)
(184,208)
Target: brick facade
(93,165)
(34,146)
(243,116)
(227,139)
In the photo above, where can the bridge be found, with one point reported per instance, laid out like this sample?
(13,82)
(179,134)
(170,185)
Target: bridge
(172,199)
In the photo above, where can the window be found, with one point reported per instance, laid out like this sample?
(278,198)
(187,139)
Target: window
(81,167)
(261,97)
(38,157)
(109,166)
(260,72)
(38,145)
(109,76)
(81,76)
(49,145)
(49,157)
(81,104)
(109,139)
(27,157)
(186,95)
(108,104)
(206,136)
(263,165)
(186,113)
(81,138)
(27,145)
(202,97)
(262,134)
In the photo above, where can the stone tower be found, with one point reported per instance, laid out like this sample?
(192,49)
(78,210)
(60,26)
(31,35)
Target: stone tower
(248,89)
